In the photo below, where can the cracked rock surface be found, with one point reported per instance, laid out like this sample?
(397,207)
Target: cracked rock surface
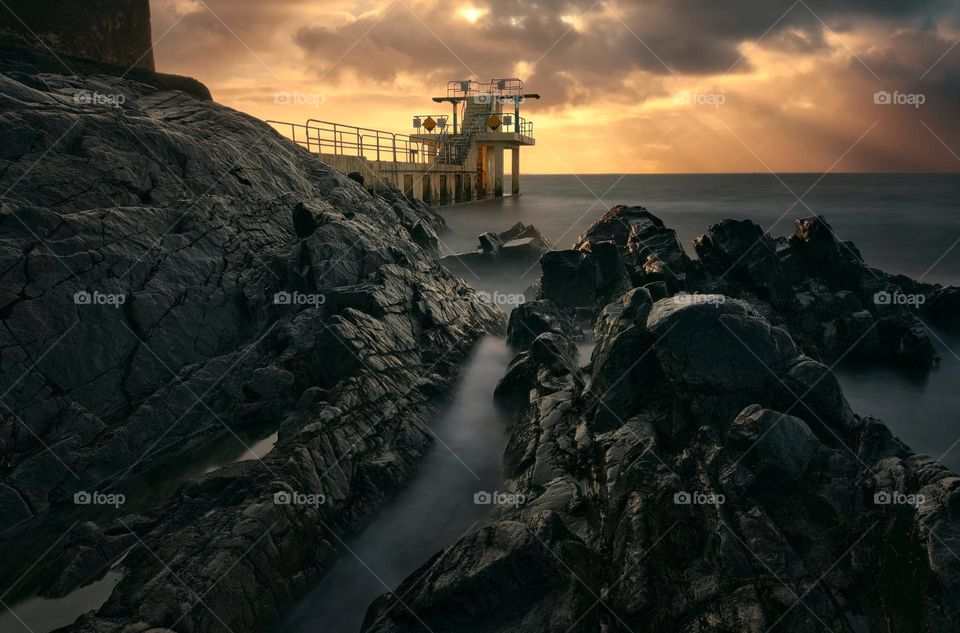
(702,473)
(173,273)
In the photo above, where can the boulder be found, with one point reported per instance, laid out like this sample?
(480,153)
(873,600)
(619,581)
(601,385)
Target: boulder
(711,343)
(775,442)
(523,231)
(943,307)
(194,284)
(570,278)
(533,318)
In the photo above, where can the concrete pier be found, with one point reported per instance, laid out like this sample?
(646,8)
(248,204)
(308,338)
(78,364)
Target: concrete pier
(448,159)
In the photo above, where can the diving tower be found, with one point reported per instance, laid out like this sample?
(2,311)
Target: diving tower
(448,159)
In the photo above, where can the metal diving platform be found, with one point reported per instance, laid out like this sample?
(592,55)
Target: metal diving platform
(448,159)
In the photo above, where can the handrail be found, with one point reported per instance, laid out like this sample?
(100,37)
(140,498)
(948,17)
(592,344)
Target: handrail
(468,87)
(326,137)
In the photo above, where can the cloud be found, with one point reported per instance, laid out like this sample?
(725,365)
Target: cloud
(798,76)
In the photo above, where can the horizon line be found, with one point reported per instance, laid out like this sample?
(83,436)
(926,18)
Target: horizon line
(746,173)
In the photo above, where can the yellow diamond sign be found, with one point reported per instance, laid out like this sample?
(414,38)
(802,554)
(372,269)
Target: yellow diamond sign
(429,124)
(493,122)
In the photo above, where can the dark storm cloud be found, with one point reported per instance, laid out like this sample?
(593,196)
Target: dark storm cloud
(686,37)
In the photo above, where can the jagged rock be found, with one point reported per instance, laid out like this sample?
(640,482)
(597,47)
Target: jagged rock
(616,226)
(522,582)
(521,231)
(780,443)
(520,245)
(652,251)
(714,344)
(531,319)
(490,243)
(724,500)
(174,273)
(570,278)
(741,249)
(943,307)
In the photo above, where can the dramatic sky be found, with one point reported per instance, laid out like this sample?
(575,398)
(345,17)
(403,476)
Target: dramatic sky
(627,86)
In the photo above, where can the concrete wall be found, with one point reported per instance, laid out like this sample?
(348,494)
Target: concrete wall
(458,183)
(111,31)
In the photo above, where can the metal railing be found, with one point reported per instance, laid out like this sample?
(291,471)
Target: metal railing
(470,88)
(326,137)
(516,126)
(442,121)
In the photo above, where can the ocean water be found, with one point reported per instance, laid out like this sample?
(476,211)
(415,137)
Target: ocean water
(434,510)
(902,223)
(906,223)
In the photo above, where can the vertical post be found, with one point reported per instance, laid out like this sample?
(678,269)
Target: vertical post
(516,113)
(498,171)
(454,103)
(515,171)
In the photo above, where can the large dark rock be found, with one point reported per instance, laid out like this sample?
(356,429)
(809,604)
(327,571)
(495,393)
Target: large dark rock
(176,274)
(741,249)
(818,286)
(943,307)
(570,278)
(651,251)
(531,319)
(782,444)
(528,579)
(737,492)
(519,247)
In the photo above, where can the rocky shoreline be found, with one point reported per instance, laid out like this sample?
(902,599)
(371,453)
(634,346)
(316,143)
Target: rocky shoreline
(174,272)
(703,472)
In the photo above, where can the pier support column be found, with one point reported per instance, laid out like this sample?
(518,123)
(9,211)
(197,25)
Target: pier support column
(498,171)
(515,171)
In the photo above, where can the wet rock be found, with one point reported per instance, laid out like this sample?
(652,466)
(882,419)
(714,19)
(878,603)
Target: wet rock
(943,307)
(780,443)
(519,246)
(532,318)
(200,274)
(570,278)
(521,582)
(521,231)
(700,500)
(712,343)
(490,243)
(741,249)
